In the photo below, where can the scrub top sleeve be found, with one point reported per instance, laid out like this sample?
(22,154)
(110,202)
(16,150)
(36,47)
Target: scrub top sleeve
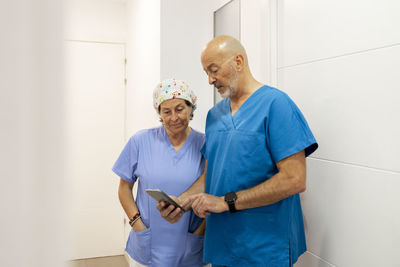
(126,163)
(287,130)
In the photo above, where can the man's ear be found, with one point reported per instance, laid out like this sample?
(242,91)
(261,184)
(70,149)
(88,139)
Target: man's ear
(239,62)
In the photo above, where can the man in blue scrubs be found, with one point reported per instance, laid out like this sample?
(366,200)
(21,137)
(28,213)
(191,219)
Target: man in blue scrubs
(256,143)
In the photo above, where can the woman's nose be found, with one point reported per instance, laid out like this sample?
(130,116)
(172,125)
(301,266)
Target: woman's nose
(174,116)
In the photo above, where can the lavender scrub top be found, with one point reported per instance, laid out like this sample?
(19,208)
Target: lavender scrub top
(150,157)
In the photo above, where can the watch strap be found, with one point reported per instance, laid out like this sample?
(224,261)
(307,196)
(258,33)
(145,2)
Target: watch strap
(230,199)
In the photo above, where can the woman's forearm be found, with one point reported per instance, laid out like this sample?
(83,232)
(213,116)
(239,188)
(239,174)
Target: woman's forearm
(128,204)
(127,201)
(197,187)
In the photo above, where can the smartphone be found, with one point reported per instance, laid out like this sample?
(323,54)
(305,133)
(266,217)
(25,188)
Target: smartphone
(159,195)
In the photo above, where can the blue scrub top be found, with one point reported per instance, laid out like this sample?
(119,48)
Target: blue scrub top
(242,152)
(150,156)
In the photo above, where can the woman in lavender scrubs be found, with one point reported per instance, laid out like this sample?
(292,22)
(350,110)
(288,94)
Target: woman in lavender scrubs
(167,158)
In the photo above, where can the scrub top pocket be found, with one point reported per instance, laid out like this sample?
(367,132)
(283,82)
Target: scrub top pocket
(193,256)
(139,245)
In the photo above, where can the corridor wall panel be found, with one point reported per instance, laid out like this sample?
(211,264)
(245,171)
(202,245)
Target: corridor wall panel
(352,103)
(339,61)
(317,29)
(352,214)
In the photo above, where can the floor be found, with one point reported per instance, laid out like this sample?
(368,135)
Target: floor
(114,261)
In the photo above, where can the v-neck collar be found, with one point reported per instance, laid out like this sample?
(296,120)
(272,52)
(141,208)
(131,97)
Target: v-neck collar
(233,119)
(177,154)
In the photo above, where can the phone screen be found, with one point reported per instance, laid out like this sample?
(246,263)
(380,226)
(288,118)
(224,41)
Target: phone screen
(159,195)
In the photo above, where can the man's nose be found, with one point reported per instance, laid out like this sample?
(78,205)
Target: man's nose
(211,79)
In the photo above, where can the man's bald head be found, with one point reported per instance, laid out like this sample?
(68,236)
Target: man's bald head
(225,47)
(224,59)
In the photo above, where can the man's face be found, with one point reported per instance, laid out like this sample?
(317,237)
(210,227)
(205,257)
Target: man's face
(220,73)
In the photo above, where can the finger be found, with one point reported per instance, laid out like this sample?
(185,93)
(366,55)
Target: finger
(202,215)
(167,210)
(163,206)
(195,203)
(174,214)
(189,200)
(186,202)
(207,204)
(177,200)
(177,218)
(160,205)
(195,207)
(200,205)
(205,208)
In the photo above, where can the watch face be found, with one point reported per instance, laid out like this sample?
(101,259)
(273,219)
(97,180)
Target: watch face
(230,197)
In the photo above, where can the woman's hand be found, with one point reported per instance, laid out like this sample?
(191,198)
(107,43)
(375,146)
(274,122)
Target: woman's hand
(169,212)
(139,226)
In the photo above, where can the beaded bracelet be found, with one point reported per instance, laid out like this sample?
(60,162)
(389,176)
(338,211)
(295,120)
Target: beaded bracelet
(134,219)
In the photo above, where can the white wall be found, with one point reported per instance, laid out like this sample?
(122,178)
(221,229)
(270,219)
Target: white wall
(95,20)
(165,39)
(95,128)
(31,134)
(255,37)
(143,67)
(186,28)
(339,61)
(95,103)
(184,36)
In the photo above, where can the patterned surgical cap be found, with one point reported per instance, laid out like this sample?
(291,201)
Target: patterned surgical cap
(172,88)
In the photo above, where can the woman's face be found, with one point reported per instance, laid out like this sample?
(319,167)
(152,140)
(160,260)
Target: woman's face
(175,115)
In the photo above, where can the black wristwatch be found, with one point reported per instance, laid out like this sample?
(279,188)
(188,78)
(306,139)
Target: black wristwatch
(230,198)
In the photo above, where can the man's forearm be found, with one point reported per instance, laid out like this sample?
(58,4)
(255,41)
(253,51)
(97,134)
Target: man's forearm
(288,181)
(266,193)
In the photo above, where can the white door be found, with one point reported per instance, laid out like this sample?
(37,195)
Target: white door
(227,22)
(95,116)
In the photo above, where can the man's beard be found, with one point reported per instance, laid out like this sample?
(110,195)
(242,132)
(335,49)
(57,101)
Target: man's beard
(230,90)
